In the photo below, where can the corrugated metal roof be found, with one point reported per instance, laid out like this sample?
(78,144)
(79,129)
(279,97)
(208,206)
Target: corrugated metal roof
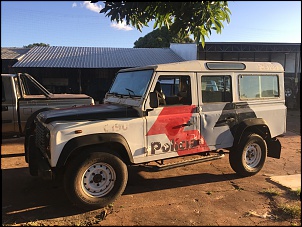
(13,52)
(96,57)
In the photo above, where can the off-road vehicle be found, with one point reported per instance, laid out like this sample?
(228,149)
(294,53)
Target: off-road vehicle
(161,112)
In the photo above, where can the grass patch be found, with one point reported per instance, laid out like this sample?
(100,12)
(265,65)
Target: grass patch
(291,211)
(270,192)
(297,192)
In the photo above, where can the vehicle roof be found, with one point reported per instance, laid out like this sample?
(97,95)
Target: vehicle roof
(202,65)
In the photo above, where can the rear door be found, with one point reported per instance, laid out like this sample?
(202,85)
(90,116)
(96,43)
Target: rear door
(217,111)
(9,106)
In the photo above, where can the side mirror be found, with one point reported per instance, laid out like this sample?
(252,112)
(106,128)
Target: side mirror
(153,100)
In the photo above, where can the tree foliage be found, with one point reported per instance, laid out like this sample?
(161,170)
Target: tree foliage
(161,38)
(196,18)
(36,44)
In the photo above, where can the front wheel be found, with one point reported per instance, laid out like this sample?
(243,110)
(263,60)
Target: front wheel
(249,156)
(95,180)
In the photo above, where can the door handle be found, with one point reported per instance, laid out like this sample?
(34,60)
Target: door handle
(226,120)
(230,119)
(187,124)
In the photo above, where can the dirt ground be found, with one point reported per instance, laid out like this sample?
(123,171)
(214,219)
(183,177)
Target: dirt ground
(208,193)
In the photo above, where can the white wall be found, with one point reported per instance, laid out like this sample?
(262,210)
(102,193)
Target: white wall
(188,51)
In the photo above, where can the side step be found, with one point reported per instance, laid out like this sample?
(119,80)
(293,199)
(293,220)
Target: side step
(161,166)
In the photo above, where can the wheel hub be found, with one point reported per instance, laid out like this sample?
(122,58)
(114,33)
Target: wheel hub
(98,179)
(253,155)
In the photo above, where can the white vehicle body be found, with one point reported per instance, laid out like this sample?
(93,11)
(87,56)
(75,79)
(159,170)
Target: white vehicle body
(132,121)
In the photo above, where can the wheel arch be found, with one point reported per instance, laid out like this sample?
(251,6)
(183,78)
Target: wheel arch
(110,141)
(252,125)
(258,126)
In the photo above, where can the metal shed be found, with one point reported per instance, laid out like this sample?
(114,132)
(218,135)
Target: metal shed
(88,70)
(11,55)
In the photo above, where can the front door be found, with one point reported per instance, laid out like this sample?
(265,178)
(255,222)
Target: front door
(172,128)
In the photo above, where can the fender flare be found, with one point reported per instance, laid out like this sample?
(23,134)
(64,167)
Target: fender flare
(88,140)
(273,144)
(251,122)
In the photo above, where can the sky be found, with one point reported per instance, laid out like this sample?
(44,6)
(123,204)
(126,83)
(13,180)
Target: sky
(79,24)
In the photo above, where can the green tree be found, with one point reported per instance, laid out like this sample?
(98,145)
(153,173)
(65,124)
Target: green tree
(36,44)
(196,18)
(159,38)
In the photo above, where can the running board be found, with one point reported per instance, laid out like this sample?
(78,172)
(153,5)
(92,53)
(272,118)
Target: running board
(160,167)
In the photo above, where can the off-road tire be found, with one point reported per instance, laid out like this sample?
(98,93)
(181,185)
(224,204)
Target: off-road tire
(94,180)
(249,156)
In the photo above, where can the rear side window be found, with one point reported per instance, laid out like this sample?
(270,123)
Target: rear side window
(258,86)
(216,89)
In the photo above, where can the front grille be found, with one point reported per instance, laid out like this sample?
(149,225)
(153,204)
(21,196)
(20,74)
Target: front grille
(42,139)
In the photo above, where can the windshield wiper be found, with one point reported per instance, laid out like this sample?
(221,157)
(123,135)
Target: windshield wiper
(129,90)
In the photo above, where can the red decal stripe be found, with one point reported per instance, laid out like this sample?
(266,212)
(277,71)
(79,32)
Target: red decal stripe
(170,122)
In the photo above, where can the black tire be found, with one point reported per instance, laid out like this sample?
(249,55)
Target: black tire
(250,155)
(29,130)
(94,180)
(32,160)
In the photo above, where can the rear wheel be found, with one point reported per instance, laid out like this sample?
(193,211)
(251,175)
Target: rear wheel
(249,156)
(95,180)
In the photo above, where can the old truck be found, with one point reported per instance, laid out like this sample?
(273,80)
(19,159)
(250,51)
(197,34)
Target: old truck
(153,115)
(23,98)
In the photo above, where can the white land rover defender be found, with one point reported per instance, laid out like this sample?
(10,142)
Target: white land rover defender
(160,112)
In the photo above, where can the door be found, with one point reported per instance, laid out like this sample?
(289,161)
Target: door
(172,128)
(217,113)
(9,106)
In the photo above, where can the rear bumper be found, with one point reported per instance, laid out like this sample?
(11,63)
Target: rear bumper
(38,164)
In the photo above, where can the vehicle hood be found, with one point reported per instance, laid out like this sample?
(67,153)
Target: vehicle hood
(91,113)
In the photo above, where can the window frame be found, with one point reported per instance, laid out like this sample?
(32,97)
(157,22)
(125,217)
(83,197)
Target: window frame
(174,100)
(259,95)
(207,95)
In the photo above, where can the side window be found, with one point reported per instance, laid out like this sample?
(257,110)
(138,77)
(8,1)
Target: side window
(174,90)
(29,87)
(258,86)
(216,89)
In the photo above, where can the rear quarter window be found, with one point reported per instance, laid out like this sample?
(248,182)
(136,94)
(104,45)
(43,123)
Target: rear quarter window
(258,87)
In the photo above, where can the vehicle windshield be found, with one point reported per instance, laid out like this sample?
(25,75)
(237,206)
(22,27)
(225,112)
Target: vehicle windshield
(133,84)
